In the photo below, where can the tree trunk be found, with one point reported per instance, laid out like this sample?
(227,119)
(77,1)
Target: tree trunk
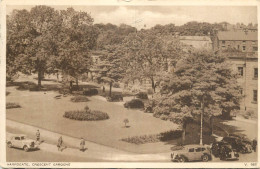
(201,121)
(39,78)
(211,124)
(183,133)
(77,83)
(153,85)
(110,89)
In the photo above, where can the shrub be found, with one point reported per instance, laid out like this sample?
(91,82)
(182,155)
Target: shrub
(27,86)
(115,98)
(79,99)
(116,85)
(126,121)
(152,138)
(12,105)
(134,103)
(86,115)
(142,95)
(90,92)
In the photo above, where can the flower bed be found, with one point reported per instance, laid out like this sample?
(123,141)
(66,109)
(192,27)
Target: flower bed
(86,115)
(79,99)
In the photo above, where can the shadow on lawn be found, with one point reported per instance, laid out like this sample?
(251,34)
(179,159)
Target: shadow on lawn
(193,132)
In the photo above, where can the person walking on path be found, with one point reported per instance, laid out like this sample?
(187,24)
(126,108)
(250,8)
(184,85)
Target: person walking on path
(60,144)
(38,136)
(254,145)
(82,145)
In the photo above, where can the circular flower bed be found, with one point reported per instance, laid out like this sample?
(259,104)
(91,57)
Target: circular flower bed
(86,115)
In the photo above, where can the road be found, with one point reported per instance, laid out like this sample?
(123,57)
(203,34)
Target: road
(48,151)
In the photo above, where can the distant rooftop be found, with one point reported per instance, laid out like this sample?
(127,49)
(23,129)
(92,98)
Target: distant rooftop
(195,38)
(237,35)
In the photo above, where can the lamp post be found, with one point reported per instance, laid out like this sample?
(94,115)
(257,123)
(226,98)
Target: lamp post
(201,120)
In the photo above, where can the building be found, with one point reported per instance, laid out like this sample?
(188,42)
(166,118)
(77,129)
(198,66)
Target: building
(241,40)
(241,47)
(247,66)
(198,42)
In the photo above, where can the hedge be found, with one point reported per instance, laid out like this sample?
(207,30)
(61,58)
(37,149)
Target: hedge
(135,103)
(90,92)
(79,99)
(115,98)
(12,105)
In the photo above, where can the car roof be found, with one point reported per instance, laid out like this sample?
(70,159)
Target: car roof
(18,135)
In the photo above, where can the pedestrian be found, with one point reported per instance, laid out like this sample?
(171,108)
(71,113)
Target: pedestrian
(60,144)
(38,136)
(254,145)
(82,145)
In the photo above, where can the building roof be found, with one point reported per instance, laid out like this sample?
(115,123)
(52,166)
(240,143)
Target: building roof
(195,38)
(237,35)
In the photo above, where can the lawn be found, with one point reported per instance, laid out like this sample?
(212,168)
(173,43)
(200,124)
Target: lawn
(41,109)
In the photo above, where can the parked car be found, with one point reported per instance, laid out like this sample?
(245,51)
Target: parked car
(238,144)
(224,151)
(243,138)
(192,153)
(20,141)
(227,153)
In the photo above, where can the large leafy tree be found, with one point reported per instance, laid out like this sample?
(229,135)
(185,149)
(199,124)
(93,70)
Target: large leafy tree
(76,39)
(202,84)
(149,54)
(31,40)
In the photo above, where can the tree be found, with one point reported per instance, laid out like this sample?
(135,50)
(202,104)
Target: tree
(202,84)
(126,121)
(76,39)
(147,54)
(31,40)
(111,70)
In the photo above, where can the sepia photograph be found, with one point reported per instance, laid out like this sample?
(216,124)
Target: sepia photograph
(131,83)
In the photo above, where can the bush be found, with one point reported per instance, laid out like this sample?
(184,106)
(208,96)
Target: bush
(90,92)
(86,115)
(116,85)
(142,95)
(79,99)
(152,138)
(134,103)
(27,86)
(115,98)
(12,105)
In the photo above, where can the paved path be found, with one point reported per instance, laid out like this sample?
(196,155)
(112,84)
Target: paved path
(94,151)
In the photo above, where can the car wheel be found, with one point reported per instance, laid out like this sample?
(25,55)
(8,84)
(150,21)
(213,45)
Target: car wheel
(9,144)
(205,158)
(181,159)
(26,148)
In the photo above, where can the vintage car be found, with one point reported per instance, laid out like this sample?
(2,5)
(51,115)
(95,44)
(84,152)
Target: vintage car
(20,141)
(192,153)
(224,151)
(227,153)
(238,144)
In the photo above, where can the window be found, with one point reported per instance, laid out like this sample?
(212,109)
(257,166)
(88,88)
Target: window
(17,138)
(241,91)
(256,73)
(255,49)
(255,95)
(244,48)
(240,71)
(238,46)
(244,42)
(223,42)
(191,150)
(198,149)
(253,43)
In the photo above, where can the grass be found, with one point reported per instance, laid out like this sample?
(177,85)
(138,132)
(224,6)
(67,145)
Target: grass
(12,105)
(47,113)
(79,99)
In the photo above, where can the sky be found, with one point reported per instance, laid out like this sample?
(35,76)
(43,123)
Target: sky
(148,16)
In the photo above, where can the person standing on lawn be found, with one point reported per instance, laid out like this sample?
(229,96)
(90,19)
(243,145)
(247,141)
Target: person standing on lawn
(38,136)
(82,145)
